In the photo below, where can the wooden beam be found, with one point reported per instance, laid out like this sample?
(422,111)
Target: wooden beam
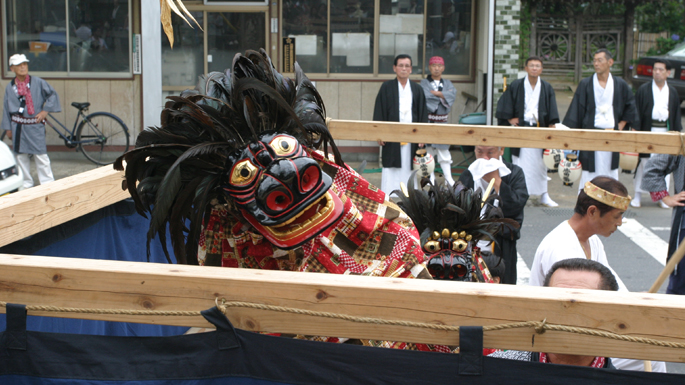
(99,284)
(30,211)
(593,140)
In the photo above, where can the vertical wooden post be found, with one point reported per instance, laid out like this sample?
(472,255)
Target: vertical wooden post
(579,48)
(628,54)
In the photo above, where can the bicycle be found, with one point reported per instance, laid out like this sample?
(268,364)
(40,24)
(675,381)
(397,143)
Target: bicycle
(101,137)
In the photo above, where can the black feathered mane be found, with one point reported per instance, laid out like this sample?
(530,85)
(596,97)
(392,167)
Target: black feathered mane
(177,170)
(455,208)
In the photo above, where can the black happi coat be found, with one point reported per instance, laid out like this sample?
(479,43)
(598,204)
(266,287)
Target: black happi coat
(581,114)
(513,197)
(387,109)
(644,101)
(512,105)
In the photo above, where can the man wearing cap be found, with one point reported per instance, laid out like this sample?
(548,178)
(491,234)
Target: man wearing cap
(28,99)
(530,102)
(440,96)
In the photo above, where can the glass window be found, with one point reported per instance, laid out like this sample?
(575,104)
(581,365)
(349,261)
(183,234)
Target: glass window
(307,22)
(400,32)
(70,35)
(183,64)
(448,34)
(99,38)
(229,33)
(37,33)
(352,29)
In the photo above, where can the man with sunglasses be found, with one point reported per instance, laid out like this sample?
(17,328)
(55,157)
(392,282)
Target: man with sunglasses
(440,96)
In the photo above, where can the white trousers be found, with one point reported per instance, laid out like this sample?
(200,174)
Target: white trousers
(42,166)
(534,170)
(392,176)
(441,154)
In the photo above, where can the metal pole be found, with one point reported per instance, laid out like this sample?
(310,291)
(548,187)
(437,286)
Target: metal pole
(491,60)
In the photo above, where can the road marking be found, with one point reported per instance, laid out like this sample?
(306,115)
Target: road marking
(657,228)
(647,240)
(522,271)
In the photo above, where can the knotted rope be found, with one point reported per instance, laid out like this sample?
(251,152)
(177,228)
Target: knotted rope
(540,327)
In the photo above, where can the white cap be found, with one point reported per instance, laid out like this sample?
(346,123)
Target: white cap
(17,59)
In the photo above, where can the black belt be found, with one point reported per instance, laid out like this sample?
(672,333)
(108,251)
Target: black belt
(657,123)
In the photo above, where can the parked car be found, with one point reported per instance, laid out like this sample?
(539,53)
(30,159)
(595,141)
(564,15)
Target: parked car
(11,178)
(676,57)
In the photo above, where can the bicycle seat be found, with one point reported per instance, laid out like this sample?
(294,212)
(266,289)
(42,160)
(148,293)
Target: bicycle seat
(80,106)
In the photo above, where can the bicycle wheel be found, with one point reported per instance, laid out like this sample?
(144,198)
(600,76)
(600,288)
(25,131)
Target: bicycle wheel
(102,137)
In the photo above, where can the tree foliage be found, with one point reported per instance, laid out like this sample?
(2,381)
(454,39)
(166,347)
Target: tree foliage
(660,16)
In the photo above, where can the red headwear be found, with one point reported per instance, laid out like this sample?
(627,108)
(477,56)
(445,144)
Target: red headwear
(436,60)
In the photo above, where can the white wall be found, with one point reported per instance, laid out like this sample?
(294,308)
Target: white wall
(151,33)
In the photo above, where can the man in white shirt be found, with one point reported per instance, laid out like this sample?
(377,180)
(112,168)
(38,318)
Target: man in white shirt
(530,102)
(599,211)
(399,100)
(601,102)
(658,106)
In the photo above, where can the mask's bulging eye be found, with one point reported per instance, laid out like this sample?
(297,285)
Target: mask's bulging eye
(243,173)
(284,145)
(459,245)
(431,246)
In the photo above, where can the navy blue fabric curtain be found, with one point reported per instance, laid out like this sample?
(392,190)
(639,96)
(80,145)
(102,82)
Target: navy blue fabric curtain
(231,356)
(116,233)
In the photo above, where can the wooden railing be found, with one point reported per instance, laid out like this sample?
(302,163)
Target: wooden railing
(100,284)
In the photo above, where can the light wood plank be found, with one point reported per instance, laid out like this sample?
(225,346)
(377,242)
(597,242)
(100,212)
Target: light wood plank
(122,101)
(593,140)
(30,211)
(68,282)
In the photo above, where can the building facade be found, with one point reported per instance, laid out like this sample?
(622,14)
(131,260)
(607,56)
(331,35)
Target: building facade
(113,53)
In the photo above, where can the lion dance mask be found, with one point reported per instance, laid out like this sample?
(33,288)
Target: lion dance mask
(451,221)
(245,167)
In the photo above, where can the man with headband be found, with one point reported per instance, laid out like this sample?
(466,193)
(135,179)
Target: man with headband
(599,211)
(440,96)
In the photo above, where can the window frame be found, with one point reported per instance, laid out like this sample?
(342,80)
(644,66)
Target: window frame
(7,74)
(375,75)
(217,8)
